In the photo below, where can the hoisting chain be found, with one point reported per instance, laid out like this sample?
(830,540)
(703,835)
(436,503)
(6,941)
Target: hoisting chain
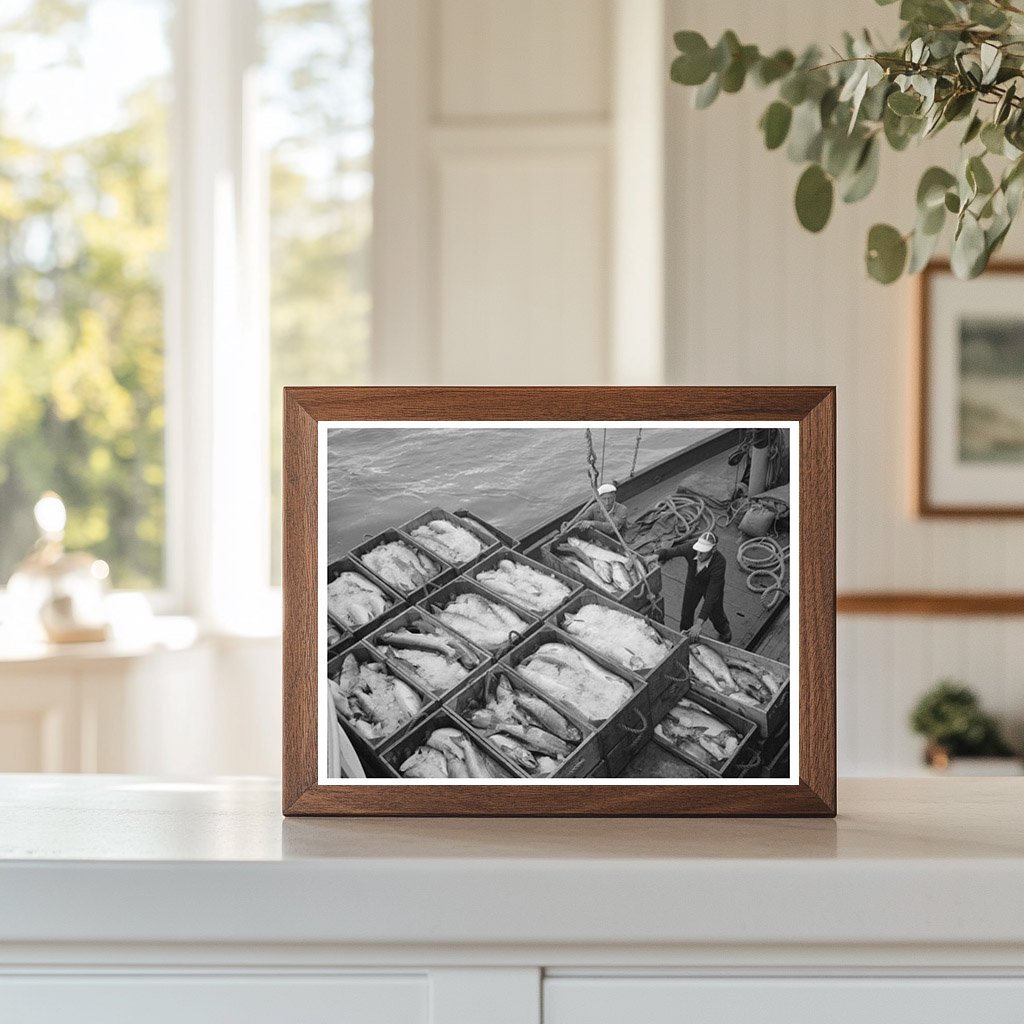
(636,451)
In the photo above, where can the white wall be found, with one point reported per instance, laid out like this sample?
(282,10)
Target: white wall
(754,299)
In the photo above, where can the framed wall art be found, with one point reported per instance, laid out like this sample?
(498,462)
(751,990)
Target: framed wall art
(559,601)
(970,423)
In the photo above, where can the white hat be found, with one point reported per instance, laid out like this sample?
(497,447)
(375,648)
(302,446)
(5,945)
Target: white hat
(705,542)
(606,489)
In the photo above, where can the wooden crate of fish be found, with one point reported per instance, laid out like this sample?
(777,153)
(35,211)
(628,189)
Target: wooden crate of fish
(524,583)
(375,702)
(715,740)
(357,601)
(403,565)
(458,540)
(600,562)
(436,657)
(610,698)
(654,652)
(749,684)
(536,733)
(474,612)
(443,747)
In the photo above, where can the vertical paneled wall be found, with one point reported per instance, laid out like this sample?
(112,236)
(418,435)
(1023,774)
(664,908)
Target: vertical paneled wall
(509,133)
(754,299)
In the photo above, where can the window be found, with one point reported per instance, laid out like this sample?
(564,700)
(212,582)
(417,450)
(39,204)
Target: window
(317,116)
(237,212)
(83,236)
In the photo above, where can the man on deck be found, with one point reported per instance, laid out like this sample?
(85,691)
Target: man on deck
(597,519)
(705,581)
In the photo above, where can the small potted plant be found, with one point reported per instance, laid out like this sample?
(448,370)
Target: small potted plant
(950,718)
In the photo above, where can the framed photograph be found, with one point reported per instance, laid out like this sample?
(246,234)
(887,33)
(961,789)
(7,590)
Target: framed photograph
(559,601)
(970,445)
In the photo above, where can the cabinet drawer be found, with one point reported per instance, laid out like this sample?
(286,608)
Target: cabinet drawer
(661,1000)
(202,999)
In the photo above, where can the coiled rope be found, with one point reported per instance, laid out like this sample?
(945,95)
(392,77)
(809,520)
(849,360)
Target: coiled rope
(764,560)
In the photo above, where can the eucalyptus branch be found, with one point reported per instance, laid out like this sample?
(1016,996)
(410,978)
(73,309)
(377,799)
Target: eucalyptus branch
(955,59)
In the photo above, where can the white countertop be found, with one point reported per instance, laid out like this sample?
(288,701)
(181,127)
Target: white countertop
(119,859)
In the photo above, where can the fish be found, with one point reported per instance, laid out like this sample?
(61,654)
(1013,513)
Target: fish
(445,644)
(515,751)
(374,702)
(333,634)
(596,551)
(400,565)
(610,570)
(714,663)
(487,623)
(476,764)
(457,746)
(534,738)
(434,672)
(689,723)
(748,682)
(354,600)
(569,676)
(548,718)
(531,589)
(454,543)
(425,763)
(627,639)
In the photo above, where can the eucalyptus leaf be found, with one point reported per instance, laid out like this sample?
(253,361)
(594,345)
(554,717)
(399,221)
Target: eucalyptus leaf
(931,190)
(865,174)
(993,138)
(904,103)
(886,253)
(775,124)
(771,69)
(707,93)
(968,248)
(978,176)
(814,195)
(805,133)
(922,247)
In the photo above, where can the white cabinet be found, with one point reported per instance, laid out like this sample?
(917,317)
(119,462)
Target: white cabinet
(835,1000)
(201,999)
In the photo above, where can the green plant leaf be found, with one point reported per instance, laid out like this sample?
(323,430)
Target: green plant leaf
(771,69)
(922,247)
(903,103)
(993,138)
(973,129)
(968,247)
(952,202)
(794,89)
(978,176)
(707,93)
(865,173)
(735,74)
(805,133)
(931,191)
(775,124)
(725,49)
(886,253)
(814,194)
(693,65)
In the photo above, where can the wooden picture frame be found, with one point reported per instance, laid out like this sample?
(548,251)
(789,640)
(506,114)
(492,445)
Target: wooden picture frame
(924,501)
(812,791)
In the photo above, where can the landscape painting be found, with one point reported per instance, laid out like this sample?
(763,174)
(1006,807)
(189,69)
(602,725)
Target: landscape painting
(992,390)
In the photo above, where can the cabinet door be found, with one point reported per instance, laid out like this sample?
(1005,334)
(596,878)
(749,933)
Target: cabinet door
(656,1000)
(202,999)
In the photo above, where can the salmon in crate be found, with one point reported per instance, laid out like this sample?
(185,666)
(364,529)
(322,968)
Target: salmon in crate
(539,735)
(742,682)
(474,612)
(374,701)
(715,740)
(611,699)
(357,601)
(601,563)
(457,540)
(436,657)
(402,564)
(443,747)
(524,583)
(655,653)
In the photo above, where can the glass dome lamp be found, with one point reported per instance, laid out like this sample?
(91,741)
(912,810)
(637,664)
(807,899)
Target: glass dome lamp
(54,594)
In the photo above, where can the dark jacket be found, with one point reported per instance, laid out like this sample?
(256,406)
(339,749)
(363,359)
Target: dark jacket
(710,581)
(596,518)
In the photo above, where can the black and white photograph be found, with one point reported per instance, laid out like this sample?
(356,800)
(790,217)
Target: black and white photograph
(553,602)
